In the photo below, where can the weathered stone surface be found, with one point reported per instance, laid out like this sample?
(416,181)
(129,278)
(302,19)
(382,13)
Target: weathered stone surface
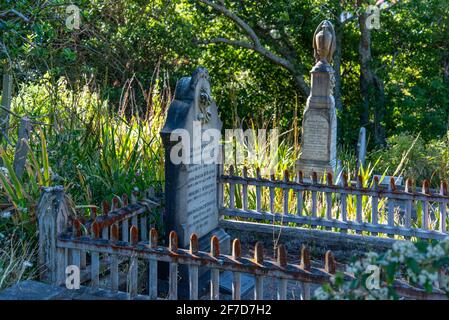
(31,290)
(34,290)
(191,137)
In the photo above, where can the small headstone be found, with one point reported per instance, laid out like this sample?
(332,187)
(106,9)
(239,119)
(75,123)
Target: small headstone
(361,148)
(319,126)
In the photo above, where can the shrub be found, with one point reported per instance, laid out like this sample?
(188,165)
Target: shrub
(417,263)
(412,158)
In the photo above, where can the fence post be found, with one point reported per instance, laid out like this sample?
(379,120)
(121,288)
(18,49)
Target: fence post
(53,212)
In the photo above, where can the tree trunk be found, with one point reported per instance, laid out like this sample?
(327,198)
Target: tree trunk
(301,85)
(371,86)
(337,65)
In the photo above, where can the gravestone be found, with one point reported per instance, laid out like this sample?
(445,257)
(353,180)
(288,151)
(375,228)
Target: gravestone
(191,137)
(361,148)
(319,125)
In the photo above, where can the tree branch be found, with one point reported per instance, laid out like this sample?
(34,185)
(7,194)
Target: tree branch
(286,62)
(259,49)
(256,45)
(236,43)
(231,15)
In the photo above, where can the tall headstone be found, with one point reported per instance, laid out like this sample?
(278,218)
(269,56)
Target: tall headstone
(191,137)
(319,125)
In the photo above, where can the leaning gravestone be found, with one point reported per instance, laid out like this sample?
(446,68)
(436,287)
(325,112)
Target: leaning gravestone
(319,126)
(191,137)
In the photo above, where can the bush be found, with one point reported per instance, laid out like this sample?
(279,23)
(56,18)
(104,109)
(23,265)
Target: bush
(420,264)
(412,158)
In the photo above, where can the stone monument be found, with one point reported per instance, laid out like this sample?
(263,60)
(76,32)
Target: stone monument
(319,125)
(191,137)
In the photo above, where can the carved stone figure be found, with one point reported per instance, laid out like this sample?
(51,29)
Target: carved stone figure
(324,42)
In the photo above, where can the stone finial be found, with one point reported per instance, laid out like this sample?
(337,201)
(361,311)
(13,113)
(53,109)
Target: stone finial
(324,42)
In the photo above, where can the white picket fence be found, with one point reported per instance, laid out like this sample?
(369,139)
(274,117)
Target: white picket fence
(340,208)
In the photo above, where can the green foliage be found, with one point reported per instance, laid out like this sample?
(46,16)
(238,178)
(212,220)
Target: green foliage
(422,264)
(413,158)
(142,40)
(81,144)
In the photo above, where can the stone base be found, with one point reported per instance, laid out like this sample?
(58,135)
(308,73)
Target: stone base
(33,290)
(223,238)
(320,167)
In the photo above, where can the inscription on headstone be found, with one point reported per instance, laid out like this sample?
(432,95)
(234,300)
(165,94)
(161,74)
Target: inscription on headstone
(315,145)
(201,198)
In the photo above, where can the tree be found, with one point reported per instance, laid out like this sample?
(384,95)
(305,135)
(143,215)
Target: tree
(371,85)
(273,44)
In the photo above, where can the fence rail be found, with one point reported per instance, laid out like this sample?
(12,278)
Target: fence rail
(375,210)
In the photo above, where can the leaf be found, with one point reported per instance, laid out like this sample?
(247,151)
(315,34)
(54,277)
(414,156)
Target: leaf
(14,179)
(391,272)
(413,265)
(9,190)
(421,246)
(44,156)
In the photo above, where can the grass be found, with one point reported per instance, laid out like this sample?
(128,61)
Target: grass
(17,259)
(80,141)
